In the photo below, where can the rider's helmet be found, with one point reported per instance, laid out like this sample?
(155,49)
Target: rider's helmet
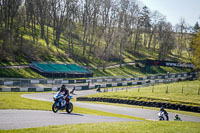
(63,87)
(161,108)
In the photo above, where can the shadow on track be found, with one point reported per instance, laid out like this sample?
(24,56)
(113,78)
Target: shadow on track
(70,113)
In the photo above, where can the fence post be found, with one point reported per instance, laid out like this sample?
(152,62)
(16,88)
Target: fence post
(167,90)
(182,89)
(153,89)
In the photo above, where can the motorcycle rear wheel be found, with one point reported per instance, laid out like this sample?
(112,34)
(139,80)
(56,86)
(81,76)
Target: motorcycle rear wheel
(69,108)
(54,108)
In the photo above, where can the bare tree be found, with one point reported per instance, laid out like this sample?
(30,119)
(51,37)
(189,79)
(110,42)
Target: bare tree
(71,15)
(58,13)
(156,17)
(31,16)
(145,23)
(181,30)
(166,39)
(41,10)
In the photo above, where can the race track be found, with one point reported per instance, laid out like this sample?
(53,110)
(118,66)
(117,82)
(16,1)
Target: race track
(16,119)
(137,112)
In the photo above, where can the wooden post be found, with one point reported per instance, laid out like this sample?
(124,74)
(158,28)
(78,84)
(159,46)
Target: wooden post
(167,90)
(182,89)
(153,89)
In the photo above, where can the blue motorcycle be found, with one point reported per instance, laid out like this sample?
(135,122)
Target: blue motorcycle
(61,104)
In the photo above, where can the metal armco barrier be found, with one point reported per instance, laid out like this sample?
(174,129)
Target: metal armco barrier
(13,82)
(122,82)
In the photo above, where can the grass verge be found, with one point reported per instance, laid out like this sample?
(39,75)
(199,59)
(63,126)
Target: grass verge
(19,73)
(117,127)
(125,71)
(178,93)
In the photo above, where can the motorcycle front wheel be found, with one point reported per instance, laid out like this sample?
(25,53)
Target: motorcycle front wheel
(161,119)
(54,108)
(69,108)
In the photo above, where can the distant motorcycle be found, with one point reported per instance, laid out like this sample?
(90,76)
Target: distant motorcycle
(162,116)
(61,104)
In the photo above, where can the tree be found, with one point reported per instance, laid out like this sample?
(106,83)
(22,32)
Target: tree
(196,50)
(31,16)
(196,27)
(145,23)
(41,11)
(123,27)
(156,18)
(181,36)
(58,13)
(70,20)
(166,39)
(137,29)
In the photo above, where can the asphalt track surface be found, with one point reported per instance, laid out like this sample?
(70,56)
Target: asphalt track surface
(17,119)
(137,112)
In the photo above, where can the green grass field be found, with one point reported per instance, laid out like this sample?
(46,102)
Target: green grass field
(188,97)
(117,127)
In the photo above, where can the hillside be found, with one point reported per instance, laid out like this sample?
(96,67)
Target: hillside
(31,33)
(40,51)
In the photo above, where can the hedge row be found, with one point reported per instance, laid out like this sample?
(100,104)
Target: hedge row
(143,103)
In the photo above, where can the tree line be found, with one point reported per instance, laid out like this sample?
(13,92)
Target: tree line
(108,28)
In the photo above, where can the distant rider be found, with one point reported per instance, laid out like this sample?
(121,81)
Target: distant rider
(177,118)
(165,113)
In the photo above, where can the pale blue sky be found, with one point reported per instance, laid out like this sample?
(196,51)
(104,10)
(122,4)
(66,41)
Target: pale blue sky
(175,9)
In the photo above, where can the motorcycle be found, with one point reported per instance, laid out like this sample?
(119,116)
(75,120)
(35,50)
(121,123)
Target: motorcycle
(61,104)
(161,116)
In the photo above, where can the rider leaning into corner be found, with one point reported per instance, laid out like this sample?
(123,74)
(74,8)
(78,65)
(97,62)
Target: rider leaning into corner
(165,113)
(65,92)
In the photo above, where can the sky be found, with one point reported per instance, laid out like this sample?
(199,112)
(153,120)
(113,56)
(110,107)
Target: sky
(176,9)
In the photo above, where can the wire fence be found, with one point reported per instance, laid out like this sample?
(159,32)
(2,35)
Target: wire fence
(152,88)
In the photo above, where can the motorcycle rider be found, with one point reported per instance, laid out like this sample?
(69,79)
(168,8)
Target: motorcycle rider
(165,113)
(177,118)
(65,92)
